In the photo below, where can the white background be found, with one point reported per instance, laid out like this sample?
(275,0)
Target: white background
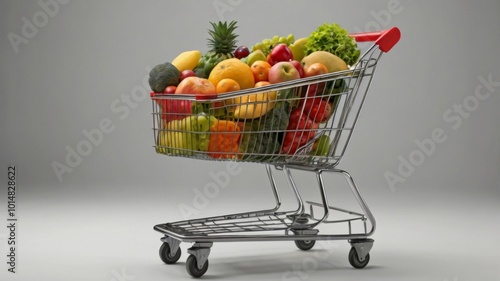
(87,57)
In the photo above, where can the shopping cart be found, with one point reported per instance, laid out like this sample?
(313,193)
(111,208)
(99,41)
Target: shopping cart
(279,129)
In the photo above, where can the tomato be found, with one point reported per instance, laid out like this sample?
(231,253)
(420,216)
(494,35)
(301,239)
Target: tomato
(170,90)
(187,73)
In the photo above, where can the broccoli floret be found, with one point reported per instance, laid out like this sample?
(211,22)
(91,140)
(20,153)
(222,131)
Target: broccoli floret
(162,76)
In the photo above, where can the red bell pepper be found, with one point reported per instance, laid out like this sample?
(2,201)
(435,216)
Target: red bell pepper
(317,109)
(173,109)
(300,130)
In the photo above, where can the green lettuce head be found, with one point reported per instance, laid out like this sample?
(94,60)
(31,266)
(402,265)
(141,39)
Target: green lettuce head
(334,39)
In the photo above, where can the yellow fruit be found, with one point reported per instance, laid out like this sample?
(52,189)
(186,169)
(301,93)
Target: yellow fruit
(227,85)
(187,60)
(298,48)
(254,105)
(235,69)
(331,61)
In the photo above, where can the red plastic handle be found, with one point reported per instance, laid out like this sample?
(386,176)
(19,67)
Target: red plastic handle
(385,39)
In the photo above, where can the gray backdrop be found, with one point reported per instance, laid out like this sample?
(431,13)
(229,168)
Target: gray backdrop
(425,153)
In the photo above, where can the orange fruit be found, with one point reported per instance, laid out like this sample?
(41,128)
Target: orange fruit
(260,70)
(227,85)
(314,69)
(262,83)
(235,69)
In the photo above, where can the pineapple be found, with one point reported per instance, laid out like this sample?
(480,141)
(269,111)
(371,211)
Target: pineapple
(222,44)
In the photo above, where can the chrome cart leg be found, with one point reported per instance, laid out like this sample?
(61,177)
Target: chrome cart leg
(300,226)
(359,255)
(170,251)
(298,217)
(359,198)
(197,262)
(301,217)
(273,187)
(324,200)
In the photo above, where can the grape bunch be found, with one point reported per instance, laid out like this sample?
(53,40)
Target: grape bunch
(267,44)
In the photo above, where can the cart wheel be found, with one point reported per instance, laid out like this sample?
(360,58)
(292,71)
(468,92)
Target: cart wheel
(165,255)
(192,267)
(305,245)
(354,259)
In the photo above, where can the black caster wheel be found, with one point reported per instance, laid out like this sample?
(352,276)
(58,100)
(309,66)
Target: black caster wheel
(165,255)
(354,259)
(192,267)
(305,245)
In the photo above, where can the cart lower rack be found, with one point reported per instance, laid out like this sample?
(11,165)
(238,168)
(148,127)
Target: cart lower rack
(273,139)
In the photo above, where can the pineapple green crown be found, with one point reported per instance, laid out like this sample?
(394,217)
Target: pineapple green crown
(223,39)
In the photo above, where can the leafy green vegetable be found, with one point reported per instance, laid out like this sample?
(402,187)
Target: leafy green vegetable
(334,39)
(262,137)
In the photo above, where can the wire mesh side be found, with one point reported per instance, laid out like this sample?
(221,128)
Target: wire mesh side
(277,124)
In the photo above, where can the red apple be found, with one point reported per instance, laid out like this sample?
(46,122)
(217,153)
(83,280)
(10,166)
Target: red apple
(280,52)
(283,71)
(195,85)
(299,68)
(187,73)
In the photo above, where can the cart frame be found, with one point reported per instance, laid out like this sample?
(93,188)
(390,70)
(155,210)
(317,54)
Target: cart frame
(299,225)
